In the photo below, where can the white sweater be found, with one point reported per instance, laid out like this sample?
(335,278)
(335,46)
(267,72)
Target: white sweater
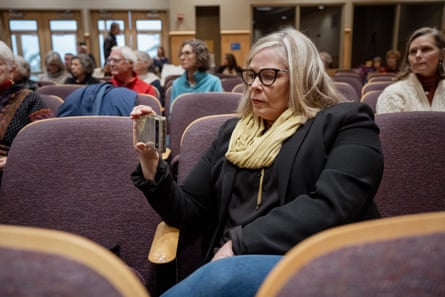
(408,95)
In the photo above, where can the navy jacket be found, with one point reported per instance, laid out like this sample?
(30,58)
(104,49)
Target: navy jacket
(98,99)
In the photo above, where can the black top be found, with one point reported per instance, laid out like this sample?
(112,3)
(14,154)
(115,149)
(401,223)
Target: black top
(109,42)
(89,80)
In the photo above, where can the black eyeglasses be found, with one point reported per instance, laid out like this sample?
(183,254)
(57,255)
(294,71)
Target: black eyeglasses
(114,60)
(267,76)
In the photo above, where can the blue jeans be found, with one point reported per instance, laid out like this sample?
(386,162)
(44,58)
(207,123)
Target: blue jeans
(238,276)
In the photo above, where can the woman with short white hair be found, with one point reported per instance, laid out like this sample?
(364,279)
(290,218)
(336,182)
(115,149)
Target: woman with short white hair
(18,106)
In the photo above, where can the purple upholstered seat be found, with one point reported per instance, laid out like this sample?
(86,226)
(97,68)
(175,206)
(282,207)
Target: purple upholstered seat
(414,173)
(62,91)
(353,79)
(375,85)
(39,262)
(371,98)
(73,174)
(190,106)
(33,273)
(152,101)
(52,102)
(397,256)
(347,91)
(228,83)
(197,137)
(409,267)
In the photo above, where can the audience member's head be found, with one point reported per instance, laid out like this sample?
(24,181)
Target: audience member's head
(195,55)
(392,59)
(82,65)
(53,62)
(122,60)
(430,43)
(144,62)
(115,28)
(7,60)
(310,88)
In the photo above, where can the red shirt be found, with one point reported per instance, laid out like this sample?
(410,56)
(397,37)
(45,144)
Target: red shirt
(137,85)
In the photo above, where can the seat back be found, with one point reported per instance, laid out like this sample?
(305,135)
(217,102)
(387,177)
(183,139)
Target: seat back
(73,174)
(375,85)
(42,83)
(399,256)
(371,98)
(347,90)
(239,88)
(52,102)
(381,76)
(196,139)
(228,83)
(414,173)
(62,91)
(152,101)
(353,79)
(190,106)
(41,262)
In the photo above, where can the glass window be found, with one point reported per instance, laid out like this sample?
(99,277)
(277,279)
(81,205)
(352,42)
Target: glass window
(23,25)
(64,43)
(63,25)
(148,25)
(25,41)
(148,43)
(104,25)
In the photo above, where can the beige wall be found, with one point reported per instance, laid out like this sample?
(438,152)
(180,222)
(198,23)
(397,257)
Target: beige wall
(235,15)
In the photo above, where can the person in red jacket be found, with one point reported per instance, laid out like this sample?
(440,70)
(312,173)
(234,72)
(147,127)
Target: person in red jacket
(122,60)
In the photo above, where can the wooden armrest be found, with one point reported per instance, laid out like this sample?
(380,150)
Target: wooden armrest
(166,154)
(165,244)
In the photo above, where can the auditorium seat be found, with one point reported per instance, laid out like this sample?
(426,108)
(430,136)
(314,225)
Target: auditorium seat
(41,262)
(73,174)
(62,91)
(52,102)
(190,106)
(371,98)
(414,171)
(399,256)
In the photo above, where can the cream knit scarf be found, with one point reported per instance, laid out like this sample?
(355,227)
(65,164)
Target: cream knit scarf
(250,148)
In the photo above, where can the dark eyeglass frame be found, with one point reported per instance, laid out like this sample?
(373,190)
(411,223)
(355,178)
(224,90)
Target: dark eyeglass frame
(259,75)
(115,60)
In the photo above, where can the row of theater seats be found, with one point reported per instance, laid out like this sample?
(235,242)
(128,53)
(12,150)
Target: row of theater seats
(186,108)
(351,86)
(73,174)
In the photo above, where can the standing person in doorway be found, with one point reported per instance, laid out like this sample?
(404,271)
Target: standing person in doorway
(111,40)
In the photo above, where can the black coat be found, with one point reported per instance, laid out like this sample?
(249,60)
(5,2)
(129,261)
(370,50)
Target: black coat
(329,172)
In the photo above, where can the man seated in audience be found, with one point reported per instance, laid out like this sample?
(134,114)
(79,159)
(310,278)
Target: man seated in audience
(121,61)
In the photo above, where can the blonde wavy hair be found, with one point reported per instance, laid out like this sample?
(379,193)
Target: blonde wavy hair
(310,87)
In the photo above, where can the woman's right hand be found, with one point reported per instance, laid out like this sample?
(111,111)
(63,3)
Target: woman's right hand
(148,155)
(2,162)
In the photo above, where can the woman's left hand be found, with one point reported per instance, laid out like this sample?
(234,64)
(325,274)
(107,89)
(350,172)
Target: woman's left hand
(224,252)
